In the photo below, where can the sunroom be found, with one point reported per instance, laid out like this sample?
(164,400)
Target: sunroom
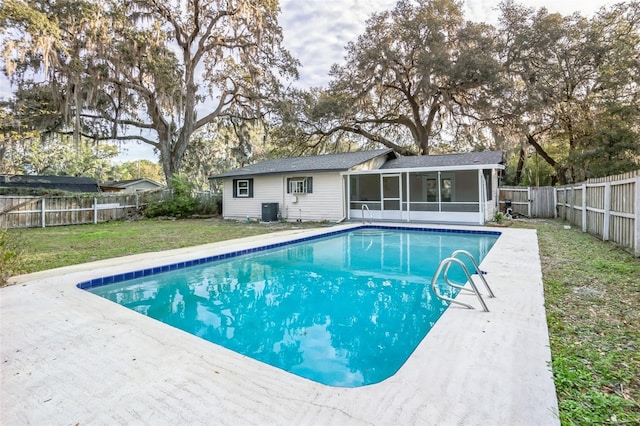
(405,190)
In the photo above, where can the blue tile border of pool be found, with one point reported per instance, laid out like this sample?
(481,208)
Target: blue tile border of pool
(113,279)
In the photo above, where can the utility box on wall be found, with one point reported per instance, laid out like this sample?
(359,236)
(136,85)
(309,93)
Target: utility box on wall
(269,212)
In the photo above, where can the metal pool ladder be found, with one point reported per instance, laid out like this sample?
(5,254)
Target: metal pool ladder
(366,207)
(446,264)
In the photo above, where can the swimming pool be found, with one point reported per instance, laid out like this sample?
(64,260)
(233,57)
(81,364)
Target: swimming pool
(345,309)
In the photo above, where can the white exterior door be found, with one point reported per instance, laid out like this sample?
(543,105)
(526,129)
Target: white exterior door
(391,197)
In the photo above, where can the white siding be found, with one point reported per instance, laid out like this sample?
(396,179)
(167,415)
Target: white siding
(266,189)
(324,203)
(140,186)
(491,206)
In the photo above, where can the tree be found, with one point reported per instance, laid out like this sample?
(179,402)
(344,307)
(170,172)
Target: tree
(614,145)
(564,71)
(219,147)
(417,75)
(179,67)
(57,155)
(138,169)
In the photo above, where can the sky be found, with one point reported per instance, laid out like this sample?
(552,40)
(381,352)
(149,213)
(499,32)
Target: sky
(316,32)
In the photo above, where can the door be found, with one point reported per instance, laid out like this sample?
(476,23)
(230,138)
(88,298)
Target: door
(391,197)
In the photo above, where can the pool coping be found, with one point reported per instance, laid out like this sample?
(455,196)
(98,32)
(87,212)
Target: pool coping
(71,357)
(129,275)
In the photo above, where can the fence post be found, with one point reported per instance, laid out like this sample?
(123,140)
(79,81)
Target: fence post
(43,209)
(95,210)
(529,201)
(607,211)
(555,202)
(636,243)
(584,207)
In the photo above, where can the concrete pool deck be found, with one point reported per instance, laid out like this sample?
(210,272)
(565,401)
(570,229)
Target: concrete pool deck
(70,357)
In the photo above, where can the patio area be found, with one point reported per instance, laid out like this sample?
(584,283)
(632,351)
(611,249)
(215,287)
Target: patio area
(70,357)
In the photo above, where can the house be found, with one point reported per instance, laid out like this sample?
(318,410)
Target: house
(14,183)
(130,186)
(377,185)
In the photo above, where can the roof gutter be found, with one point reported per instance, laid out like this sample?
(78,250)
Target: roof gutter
(427,169)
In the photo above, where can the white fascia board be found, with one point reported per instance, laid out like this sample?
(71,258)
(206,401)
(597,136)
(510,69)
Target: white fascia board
(426,169)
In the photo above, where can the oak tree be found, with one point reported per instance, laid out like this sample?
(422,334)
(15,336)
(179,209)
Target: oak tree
(146,70)
(418,75)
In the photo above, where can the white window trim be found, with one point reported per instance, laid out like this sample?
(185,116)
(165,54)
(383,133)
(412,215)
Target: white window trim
(298,185)
(242,192)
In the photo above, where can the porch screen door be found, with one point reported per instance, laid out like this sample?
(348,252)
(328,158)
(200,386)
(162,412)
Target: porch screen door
(391,198)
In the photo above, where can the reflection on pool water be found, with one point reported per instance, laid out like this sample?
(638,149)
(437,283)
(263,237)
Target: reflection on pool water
(344,310)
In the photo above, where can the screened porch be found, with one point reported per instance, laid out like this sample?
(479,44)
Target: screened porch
(460,196)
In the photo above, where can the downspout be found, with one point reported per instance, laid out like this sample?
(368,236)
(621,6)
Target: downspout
(284,207)
(346,201)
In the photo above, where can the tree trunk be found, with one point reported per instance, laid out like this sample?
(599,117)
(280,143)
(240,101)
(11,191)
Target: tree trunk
(424,145)
(560,170)
(425,131)
(521,158)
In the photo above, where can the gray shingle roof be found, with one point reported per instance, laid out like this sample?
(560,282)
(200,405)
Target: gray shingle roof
(129,182)
(318,163)
(64,183)
(446,160)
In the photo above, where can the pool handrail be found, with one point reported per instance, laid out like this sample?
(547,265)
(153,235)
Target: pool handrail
(445,264)
(478,271)
(364,206)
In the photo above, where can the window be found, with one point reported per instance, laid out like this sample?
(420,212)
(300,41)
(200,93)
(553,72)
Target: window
(243,188)
(297,186)
(300,185)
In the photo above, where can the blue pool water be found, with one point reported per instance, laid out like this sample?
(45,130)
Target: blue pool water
(343,310)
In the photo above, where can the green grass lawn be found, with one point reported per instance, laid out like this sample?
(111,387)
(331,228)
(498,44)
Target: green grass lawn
(592,293)
(47,248)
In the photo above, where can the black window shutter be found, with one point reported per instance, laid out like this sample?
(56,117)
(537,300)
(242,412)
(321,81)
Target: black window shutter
(309,185)
(235,188)
(250,188)
(288,185)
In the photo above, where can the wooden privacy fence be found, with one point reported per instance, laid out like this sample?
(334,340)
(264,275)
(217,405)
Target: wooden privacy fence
(608,208)
(33,212)
(529,201)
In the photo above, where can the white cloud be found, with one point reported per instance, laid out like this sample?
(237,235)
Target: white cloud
(316,31)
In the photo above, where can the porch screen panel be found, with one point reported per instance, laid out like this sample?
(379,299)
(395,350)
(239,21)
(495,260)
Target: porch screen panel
(446,189)
(423,187)
(460,207)
(464,186)
(459,191)
(423,191)
(365,189)
(487,177)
